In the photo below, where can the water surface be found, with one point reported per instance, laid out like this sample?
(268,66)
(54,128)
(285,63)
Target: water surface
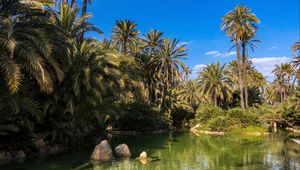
(183,151)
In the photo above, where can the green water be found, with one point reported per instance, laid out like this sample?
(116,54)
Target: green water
(182,151)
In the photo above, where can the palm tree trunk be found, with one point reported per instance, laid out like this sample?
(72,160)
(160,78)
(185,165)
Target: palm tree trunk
(163,95)
(73,3)
(84,9)
(240,82)
(216,100)
(245,83)
(125,46)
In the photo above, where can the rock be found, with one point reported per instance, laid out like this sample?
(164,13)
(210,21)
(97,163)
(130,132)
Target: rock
(54,149)
(143,155)
(5,156)
(40,143)
(102,152)
(143,158)
(20,155)
(197,126)
(122,150)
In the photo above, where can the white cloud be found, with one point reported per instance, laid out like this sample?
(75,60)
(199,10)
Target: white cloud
(266,64)
(220,54)
(196,69)
(212,52)
(273,47)
(185,43)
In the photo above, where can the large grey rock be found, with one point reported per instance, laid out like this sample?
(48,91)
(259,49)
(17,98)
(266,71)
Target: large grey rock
(102,152)
(20,155)
(122,150)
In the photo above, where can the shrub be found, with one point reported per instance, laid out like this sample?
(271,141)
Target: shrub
(240,117)
(180,116)
(140,117)
(219,123)
(217,119)
(205,113)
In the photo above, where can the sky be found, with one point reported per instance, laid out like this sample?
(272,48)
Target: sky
(197,23)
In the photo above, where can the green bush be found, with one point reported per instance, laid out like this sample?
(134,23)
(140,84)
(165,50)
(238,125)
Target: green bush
(180,116)
(240,117)
(219,123)
(216,119)
(205,113)
(140,117)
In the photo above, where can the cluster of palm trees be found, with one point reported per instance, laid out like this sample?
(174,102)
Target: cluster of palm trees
(217,84)
(285,82)
(57,80)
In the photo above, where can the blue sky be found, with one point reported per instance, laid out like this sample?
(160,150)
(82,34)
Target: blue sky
(197,22)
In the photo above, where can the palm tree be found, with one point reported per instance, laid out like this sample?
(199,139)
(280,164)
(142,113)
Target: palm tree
(67,19)
(296,60)
(151,44)
(124,34)
(255,78)
(190,92)
(271,93)
(166,66)
(238,23)
(247,41)
(215,83)
(90,81)
(152,41)
(284,71)
(296,46)
(27,45)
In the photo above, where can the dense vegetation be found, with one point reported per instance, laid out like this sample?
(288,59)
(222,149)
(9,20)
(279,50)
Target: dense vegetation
(62,86)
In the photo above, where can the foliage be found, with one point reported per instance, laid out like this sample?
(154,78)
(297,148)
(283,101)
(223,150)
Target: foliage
(216,119)
(140,117)
(206,113)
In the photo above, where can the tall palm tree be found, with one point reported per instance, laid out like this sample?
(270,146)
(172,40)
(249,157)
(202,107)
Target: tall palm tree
(296,60)
(215,83)
(151,43)
(124,34)
(237,23)
(166,66)
(84,12)
(247,42)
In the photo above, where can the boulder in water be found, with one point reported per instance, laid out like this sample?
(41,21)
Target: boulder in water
(20,155)
(122,150)
(102,152)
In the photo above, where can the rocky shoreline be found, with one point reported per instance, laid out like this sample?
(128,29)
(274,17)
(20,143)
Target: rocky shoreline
(197,132)
(293,130)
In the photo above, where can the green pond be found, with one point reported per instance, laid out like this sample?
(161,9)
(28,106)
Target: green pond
(182,151)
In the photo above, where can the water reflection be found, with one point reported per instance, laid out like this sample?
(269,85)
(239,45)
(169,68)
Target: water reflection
(185,151)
